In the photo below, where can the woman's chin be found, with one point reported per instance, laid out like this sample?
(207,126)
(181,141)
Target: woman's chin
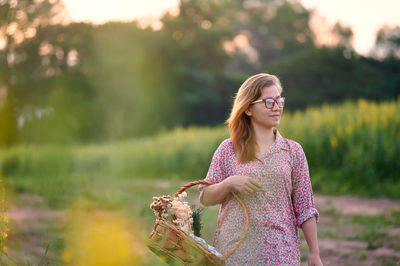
(271,125)
(275,123)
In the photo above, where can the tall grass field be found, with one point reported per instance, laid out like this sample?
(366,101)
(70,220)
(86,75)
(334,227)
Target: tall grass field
(352,148)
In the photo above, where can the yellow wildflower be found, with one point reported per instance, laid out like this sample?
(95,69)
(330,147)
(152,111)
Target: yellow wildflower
(163,258)
(5,235)
(349,129)
(339,131)
(5,249)
(334,142)
(66,256)
(6,219)
(102,238)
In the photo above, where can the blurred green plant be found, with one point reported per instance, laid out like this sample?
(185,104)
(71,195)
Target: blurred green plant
(101,237)
(5,258)
(351,148)
(4,227)
(197,221)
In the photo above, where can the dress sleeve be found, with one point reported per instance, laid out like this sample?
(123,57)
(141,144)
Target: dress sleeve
(217,171)
(302,195)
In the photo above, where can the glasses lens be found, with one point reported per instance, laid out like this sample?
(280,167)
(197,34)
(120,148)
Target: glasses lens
(269,103)
(280,102)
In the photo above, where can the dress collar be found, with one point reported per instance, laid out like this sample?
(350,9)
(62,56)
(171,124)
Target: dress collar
(280,143)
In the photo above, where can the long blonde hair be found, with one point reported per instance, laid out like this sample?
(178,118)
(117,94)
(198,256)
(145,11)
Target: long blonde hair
(239,123)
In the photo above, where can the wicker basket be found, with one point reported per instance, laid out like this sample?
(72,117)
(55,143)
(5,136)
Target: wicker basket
(177,247)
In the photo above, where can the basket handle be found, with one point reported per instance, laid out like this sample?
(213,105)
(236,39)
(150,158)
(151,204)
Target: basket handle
(246,216)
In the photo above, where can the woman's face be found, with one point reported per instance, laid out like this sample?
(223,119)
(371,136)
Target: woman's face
(262,116)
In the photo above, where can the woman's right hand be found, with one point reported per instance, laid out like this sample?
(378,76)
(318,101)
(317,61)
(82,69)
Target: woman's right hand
(243,184)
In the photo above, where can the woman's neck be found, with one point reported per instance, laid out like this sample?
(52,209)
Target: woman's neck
(263,137)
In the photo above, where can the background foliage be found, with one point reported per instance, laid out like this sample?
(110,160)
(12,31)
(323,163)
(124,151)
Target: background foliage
(84,83)
(352,148)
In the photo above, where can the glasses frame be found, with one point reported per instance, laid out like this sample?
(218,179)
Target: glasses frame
(275,102)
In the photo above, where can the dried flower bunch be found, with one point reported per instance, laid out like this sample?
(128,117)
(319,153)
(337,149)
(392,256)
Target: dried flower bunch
(175,210)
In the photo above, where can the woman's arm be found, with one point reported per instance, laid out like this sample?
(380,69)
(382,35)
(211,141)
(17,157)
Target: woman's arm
(303,203)
(216,194)
(309,228)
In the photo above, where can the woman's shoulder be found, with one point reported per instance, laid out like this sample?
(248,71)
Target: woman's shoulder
(292,145)
(224,150)
(226,144)
(295,150)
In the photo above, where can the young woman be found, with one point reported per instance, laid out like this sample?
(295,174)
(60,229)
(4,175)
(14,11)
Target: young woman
(270,174)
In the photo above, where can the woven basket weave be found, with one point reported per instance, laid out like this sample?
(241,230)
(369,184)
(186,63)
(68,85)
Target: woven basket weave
(175,246)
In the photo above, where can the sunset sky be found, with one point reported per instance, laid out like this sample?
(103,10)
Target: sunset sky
(364,16)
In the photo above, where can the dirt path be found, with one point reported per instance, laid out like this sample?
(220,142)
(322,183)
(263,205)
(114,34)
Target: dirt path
(348,205)
(341,240)
(344,241)
(33,226)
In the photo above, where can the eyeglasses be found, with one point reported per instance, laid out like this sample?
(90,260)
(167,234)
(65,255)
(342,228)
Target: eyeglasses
(270,102)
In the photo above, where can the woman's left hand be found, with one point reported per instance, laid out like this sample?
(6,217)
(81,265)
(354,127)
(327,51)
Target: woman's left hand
(314,260)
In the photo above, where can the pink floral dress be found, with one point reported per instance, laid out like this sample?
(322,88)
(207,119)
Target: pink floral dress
(275,212)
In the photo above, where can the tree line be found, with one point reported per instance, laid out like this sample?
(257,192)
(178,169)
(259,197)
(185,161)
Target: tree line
(83,83)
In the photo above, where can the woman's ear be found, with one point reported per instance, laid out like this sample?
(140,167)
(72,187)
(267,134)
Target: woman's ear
(248,111)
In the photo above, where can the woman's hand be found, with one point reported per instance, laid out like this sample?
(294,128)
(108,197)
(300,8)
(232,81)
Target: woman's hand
(243,184)
(216,194)
(314,260)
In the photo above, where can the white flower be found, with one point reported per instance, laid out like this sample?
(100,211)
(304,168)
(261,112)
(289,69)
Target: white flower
(175,210)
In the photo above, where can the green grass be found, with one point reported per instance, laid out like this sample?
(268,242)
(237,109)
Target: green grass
(362,255)
(322,233)
(389,261)
(374,237)
(389,219)
(372,229)
(351,148)
(375,228)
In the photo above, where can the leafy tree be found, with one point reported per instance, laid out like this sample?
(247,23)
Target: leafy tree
(387,42)
(193,46)
(56,68)
(67,83)
(343,34)
(206,74)
(135,92)
(19,21)
(323,75)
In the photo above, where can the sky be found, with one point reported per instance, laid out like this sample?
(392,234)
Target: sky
(365,17)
